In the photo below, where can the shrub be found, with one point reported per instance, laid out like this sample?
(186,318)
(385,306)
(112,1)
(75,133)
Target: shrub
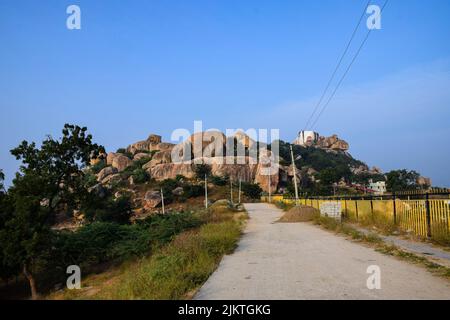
(96,168)
(201,170)
(219,181)
(252,190)
(193,191)
(107,209)
(140,175)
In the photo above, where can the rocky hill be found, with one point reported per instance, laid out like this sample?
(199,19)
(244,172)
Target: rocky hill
(143,167)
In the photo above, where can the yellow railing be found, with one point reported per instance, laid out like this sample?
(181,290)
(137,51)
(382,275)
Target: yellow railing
(423,217)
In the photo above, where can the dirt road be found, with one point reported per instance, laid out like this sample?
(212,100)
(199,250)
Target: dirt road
(301,261)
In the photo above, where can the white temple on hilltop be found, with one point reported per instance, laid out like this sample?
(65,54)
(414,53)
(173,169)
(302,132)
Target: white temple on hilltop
(306,138)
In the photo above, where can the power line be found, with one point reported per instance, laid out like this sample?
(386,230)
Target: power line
(338,65)
(345,73)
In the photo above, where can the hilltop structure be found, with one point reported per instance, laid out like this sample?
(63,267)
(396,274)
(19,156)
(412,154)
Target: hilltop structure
(313,139)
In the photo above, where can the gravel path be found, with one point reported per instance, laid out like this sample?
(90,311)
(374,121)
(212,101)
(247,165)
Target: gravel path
(301,261)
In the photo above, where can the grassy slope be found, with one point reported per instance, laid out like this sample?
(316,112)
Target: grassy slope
(174,271)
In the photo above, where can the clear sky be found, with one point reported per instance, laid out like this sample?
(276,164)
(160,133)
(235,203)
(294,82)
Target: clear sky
(140,67)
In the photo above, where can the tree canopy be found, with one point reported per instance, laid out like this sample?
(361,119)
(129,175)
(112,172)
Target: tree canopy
(50,181)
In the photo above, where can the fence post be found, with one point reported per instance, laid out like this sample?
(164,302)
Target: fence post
(371,208)
(345,206)
(427,207)
(395,208)
(356,207)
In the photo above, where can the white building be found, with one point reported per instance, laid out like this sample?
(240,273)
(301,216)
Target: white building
(306,138)
(379,187)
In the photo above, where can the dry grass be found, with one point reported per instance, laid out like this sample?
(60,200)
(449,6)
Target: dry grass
(379,245)
(174,271)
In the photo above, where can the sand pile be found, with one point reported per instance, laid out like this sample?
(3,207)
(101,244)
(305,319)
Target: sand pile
(299,214)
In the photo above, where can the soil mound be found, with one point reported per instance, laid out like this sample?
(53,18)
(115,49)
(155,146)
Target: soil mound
(299,214)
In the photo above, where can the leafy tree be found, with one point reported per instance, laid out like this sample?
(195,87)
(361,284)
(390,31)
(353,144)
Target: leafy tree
(140,176)
(51,180)
(192,190)
(251,190)
(201,170)
(220,181)
(2,178)
(328,176)
(402,180)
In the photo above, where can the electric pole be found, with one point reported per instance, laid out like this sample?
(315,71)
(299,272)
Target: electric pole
(270,184)
(295,176)
(240,188)
(231,190)
(206,192)
(162,201)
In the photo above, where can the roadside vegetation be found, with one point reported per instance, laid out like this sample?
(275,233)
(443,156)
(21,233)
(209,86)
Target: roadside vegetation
(58,212)
(172,271)
(379,245)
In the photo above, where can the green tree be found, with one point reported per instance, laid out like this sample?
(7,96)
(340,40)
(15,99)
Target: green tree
(201,170)
(402,180)
(251,190)
(2,178)
(51,180)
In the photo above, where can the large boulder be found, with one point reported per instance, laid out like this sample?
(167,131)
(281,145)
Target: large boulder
(146,145)
(110,157)
(159,158)
(332,143)
(141,155)
(105,172)
(170,171)
(120,162)
(267,172)
(164,147)
(178,191)
(111,179)
(237,168)
(208,144)
(244,139)
(154,139)
(152,199)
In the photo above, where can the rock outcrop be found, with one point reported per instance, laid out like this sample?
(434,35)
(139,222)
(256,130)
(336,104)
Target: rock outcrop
(165,171)
(106,172)
(152,199)
(118,161)
(332,143)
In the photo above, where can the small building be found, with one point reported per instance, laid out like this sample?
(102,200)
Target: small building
(378,187)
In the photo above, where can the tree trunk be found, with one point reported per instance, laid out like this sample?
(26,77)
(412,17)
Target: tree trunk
(32,281)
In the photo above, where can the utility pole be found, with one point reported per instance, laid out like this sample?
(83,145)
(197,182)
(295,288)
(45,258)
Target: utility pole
(270,183)
(295,177)
(240,188)
(162,201)
(231,190)
(206,192)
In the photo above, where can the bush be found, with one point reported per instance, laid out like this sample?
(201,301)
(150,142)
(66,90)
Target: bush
(251,190)
(201,170)
(140,176)
(96,168)
(193,191)
(219,181)
(107,209)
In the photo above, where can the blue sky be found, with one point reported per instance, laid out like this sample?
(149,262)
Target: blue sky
(138,67)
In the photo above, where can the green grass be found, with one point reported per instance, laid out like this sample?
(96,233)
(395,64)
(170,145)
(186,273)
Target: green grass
(174,271)
(284,206)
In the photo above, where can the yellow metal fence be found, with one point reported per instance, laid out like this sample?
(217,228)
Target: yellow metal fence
(427,218)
